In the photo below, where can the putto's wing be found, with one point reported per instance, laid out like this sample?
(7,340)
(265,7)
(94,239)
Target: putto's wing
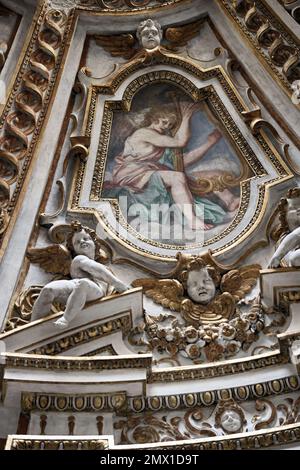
(54,259)
(181,35)
(166,292)
(239,282)
(123,45)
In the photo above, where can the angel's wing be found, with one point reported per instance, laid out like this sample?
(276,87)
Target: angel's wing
(239,282)
(123,45)
(166,292)
(181,35)
(54,259)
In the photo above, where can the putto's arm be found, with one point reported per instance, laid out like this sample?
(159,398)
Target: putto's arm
(98,271)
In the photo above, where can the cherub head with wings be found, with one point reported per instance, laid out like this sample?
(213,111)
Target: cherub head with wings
(147,40)
(201,289)
(200,280)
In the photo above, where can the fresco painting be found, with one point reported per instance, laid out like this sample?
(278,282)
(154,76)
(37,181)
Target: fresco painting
(173,164)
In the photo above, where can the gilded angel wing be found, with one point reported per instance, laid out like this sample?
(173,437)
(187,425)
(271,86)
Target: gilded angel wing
(166,292)
(239,282)
(123,45)
(54,259)
(179,36)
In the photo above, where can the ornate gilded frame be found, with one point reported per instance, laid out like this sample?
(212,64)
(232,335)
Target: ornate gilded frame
(183,66)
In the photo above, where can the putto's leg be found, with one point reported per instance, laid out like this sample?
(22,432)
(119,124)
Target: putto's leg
(49,293)
(84,291)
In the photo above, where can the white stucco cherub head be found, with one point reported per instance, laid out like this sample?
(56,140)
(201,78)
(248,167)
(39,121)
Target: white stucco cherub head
(200,285)
(229,416)
(230,421)
(83,244)
(149,34)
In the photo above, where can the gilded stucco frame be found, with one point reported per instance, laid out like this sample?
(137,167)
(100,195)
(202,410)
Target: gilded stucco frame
(227,122)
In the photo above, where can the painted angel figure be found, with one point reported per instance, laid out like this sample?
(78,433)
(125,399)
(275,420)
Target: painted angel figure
(145,168)
(90,279)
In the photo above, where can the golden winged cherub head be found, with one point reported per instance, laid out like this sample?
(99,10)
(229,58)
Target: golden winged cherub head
(201,289)
(200,281)
(146,43)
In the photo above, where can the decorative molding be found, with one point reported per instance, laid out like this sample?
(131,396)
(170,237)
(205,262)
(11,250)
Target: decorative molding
(122,323)
(272,41)
(218,370)
(75,403)
(115,5)
(26,108)
(256,440)
(55,443)
(43,402)
(292,7)
(253,440)
(209,398)
(29,361)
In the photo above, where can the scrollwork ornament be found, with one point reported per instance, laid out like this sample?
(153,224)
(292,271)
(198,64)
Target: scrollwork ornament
(121,5)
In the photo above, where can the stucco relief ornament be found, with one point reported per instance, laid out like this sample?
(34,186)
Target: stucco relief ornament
(146,45)
(287,234)
(229,416)
(86,277)
(206,295)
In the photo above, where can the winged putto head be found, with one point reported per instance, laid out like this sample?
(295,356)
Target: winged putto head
(146,44)
(201,289)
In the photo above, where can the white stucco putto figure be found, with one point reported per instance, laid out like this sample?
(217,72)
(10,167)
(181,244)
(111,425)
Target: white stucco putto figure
(289,246)
(90,279)
(149,34)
